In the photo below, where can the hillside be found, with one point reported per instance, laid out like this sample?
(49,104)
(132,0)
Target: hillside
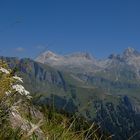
(20,119)
(105,91)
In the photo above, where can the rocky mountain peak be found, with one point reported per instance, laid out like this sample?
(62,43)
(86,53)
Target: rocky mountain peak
(47,55)
(129,52)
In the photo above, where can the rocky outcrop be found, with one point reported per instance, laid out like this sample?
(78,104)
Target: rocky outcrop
(21,117)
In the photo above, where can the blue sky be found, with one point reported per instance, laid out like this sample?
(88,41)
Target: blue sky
(101,27)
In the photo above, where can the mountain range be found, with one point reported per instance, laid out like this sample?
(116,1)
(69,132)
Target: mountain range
(87,63)
(106,91)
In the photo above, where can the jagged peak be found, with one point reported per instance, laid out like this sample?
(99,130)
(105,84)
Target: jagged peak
(130,52)
(49,53)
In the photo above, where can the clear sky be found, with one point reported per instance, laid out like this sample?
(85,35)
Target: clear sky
(100,27)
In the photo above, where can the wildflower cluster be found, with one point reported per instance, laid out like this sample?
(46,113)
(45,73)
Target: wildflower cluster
(3,70)
(20,89)
(11,83)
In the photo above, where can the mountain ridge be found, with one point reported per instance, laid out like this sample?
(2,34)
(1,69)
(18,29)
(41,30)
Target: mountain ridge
(126,53)
(85,62)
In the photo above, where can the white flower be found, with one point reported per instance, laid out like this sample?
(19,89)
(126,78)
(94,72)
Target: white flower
(8,92)
(18,78)
(4,70)
(29,97)
(20,89)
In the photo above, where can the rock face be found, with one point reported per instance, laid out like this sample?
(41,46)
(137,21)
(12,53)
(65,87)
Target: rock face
(18,121)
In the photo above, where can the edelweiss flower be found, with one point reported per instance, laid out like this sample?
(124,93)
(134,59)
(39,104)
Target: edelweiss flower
(4,70)
(29,97)
(8,92)
(20,89)
(18,78)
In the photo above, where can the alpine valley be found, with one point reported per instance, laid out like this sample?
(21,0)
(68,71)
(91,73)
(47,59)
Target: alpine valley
(106,91)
